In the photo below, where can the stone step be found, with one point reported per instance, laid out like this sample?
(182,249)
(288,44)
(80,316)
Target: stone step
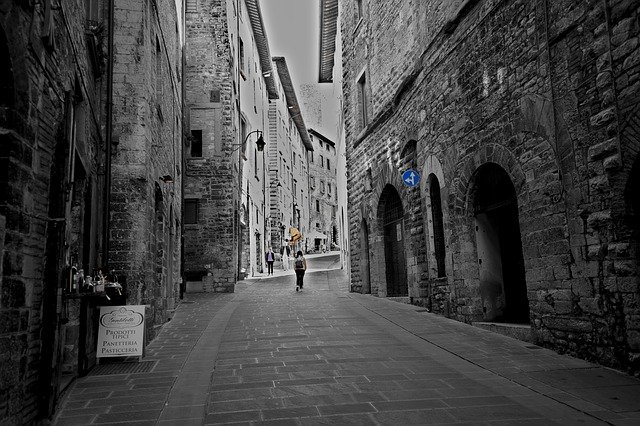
(516,331)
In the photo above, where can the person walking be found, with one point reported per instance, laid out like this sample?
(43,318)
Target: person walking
(285,258)
(300,268)
(270,257)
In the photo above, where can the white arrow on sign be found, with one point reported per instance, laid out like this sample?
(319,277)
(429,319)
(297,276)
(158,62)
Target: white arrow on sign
(411,179)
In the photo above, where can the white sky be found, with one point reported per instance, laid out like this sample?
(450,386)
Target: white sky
(293,31)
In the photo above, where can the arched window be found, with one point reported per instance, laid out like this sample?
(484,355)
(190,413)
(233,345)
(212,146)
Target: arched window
(438,224)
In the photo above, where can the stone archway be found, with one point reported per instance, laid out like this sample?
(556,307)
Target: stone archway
(391,224)
(503,289)
(365,260)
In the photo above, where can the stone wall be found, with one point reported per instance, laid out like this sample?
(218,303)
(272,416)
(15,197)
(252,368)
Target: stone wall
(211,245)
(547,91)
(51,190)
(145,209)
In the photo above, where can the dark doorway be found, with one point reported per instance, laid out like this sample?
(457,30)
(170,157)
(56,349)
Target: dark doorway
(6,74)
(633,200)
(365,268)
(391,214)
(438,224)
(501,264)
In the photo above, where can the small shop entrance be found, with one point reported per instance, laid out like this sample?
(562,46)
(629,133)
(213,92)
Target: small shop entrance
(503,286)
(391,213)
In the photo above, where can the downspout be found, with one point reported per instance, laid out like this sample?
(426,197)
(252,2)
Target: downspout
(107,171)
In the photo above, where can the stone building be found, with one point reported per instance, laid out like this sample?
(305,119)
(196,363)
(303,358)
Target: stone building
(78,129)
(324,194)
(522,118)
(146,194)
(288,152)
(228,84)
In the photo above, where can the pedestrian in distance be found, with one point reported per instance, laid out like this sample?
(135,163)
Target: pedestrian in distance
(285,258)
(270,257)
(300,268)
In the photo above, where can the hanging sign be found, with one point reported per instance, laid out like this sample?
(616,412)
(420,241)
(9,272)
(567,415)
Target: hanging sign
(121,331)
(411,178)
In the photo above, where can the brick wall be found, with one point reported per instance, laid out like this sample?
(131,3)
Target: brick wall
(548,92)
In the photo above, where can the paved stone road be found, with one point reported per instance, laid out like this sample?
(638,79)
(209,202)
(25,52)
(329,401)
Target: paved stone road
(269,355)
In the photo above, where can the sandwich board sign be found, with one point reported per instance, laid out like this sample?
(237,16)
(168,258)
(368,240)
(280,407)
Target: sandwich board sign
(121,331)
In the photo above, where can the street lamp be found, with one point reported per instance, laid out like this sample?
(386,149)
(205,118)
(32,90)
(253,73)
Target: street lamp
(260,143)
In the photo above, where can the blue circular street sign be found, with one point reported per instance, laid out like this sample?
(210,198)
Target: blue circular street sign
(411,178)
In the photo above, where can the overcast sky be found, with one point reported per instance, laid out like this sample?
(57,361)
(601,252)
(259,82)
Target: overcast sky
(293,32)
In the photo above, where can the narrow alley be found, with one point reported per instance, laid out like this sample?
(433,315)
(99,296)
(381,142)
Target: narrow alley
(269,355)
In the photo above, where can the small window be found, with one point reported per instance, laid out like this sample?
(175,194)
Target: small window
(241,53)
(92,8)
(363,101)
(322,187)
(358,10)
(329,188)
(328,164)
(318,205)
(196,143)
(321,161)
(191,207)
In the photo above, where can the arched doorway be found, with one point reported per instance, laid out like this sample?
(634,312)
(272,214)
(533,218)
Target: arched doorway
(503,286)
(365,268)
(438,224)
(390,215)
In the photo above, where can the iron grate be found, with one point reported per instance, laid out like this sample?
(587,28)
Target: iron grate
(123,368)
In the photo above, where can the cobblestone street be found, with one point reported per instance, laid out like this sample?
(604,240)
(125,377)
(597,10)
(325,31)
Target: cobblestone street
(269,355)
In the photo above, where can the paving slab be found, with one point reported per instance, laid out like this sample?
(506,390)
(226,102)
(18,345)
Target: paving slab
(323,356)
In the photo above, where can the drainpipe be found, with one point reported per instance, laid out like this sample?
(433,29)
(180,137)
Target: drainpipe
(107,172)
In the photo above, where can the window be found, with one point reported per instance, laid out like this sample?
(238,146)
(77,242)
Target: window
(311,156)
(321,161)
(322,187)
(328,147)
(241,53)
(363,101)
(196,143)
(191,207)
(328,188)
(313,183)
(158,71)
(243,136)
(328,165)
(317,207)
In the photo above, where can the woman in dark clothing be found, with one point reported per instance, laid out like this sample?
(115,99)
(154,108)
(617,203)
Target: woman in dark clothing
(300,267)
(270,258)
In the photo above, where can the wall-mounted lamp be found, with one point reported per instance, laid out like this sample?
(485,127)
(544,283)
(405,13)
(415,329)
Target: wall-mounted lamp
(260,143)
(167,178)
